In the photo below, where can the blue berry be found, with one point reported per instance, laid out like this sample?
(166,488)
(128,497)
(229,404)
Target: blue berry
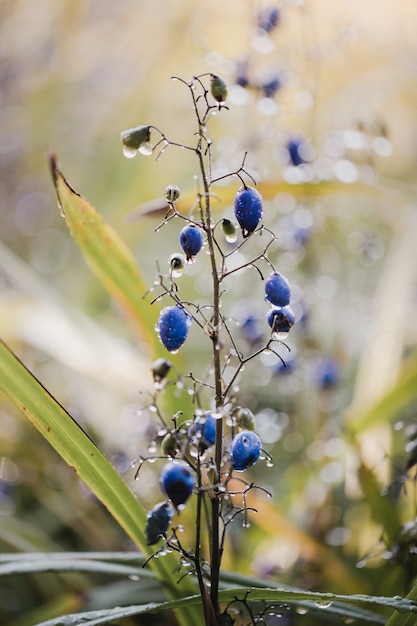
(251,329)
(328,373)
(271,86)
(245,450)
(268,19)
(172,326)
(248,209)
(294,152)
(191,240)
(158,521)
(281,319)
(277,289)
(203,431)
(177,481)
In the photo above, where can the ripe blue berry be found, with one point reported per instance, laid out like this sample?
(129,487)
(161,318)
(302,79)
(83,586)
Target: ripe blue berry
(191,240)
(245,450)
(202,431)
(248,209)
(295,152)
(177,481)
(158,521)
(172,327)
(277,289)
(281,319)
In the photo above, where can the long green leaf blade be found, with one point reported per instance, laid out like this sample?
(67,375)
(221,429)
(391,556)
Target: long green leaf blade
(107,255)
(80,452)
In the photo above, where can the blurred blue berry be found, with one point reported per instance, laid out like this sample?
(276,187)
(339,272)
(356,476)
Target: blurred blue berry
(248,209)
(172,327)
(294,152)
(158,521)
(202,431)
(268,19)
(242,76)
(177,481)
(191,240)
(277,289)
(328,373)
(251,329)
(270,87)
(245,450)
(281,319)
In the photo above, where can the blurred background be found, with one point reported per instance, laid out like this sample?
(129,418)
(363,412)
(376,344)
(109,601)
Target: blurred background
(323,96)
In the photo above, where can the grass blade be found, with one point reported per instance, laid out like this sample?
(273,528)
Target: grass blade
(80,452)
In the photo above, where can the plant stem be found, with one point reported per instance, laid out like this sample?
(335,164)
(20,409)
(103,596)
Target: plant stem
(215,553)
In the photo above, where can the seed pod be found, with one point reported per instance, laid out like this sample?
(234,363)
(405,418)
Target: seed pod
(136,139)
(245,450)
(229,229)
(176,263)
(172,193)
(245,418)
(277,289)
(248,209)
(218,88)
(158,521)
(172,327)
(169,445)
(177,481)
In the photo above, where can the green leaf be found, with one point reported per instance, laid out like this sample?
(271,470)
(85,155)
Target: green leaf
(387,408)
(107,255)
(329,607)
(80,452)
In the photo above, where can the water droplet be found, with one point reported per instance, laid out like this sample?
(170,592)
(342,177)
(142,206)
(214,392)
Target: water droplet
(134,577)
(280,336)
(174,352)
(324,604)
(153,408)
(266,351)
(146,149)
(176,273)
(269,463)
(301,610)
(129,153)
(246,523)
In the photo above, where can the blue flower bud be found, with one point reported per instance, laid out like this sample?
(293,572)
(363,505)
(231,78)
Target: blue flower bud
(177,481)
(158,521)
(245,450)
(277,289)
(172,327)
(248,209)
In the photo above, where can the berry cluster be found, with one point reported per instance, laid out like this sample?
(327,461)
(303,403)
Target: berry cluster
(203,453)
